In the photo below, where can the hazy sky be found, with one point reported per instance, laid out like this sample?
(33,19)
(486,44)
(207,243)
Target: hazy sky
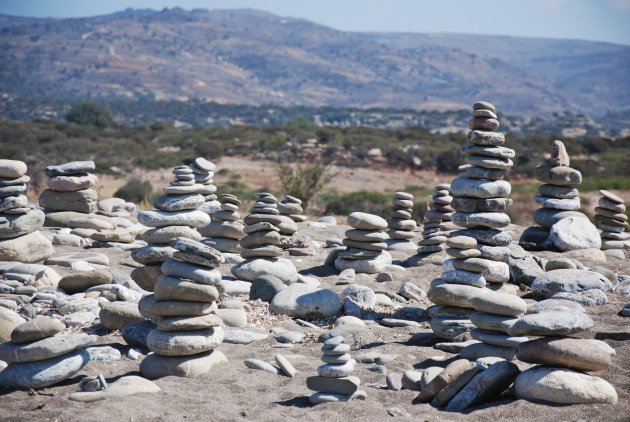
(600,20)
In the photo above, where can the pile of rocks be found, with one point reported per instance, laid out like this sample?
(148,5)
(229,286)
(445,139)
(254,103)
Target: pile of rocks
(203,181)
(480,199)
(401,225)
(365,245)
(226,228)
(435,231)
(262,233)
(292,208)
(560,225)
(70,188)
(612,221)
(20,239)
(39,356)
(334,381)
(176,216)
(182,306)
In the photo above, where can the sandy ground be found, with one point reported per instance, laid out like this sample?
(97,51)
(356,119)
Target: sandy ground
(233,392)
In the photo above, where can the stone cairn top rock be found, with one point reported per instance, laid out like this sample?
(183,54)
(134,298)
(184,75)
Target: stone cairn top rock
(20,238)
(365,245)
(226,228)
(291,207)
(611,219)
(70,188)
(401,225)
(434,230)
(334,381)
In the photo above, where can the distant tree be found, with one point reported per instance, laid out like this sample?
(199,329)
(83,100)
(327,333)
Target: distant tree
(90,114)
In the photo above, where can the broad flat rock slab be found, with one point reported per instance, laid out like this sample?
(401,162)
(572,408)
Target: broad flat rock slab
(155,366)
(44,349)
(569,281)
(125,386)
(43,373)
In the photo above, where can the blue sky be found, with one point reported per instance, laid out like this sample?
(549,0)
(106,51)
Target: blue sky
(598,20)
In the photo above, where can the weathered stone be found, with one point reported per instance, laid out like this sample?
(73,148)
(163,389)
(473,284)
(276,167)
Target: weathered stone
(83,201)
(43,373)
(559,323)
(46,348)
(307,302)
(184,343)
(574,233)
(156,366)
(38,328)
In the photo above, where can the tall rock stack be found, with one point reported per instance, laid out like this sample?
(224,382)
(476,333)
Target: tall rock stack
(203,180)
(334,381)
(401,225)
(181,305)
(258,247)
(366,248)
(434,231)
(611,219)
(291,207)
(20,239)
(176,215)
(226,228)
(70,188)
(480,198)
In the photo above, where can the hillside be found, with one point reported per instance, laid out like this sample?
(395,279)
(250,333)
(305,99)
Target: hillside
(252,57)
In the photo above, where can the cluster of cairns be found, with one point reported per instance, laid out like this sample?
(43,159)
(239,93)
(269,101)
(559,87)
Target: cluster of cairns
(435,230)
(39,355)
(334,381)
(611,219)
(560,224)
(226,228)
(20,238)
(70,188)
(176,215)
(366,247)
(181,307)
(292,208)
(401,226)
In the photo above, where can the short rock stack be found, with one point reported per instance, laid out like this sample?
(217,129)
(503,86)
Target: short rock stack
(401,225)
(258,247)
(203,178)
(366,248)
(611,219)
(182,306)
(70,188)
(292,208)
(434,231)
(176,216)
(334,381)
(38,356)
(226,228)
(20,239)
(481,198)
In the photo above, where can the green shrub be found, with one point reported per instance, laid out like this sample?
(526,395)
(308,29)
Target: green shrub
(304,181)
(135,191)
(90,114)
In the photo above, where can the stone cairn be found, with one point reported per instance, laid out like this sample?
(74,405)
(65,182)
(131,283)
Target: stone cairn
(182,306)
(611,219)
(20,238)
(39,358)
(558,196)
(70,188)
(292,208)
(334,381)
(435,231)
(365,245)
(176,215)
(226,228)
(203,181)
(401,225)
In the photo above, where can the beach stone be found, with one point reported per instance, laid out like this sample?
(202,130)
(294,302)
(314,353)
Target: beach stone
(251,269)
(80,282)
(9,320)
(262,366)
(193,247)
(289,337)
(559,155)
(38,328)
(369,264)
(337,370)
(285,366)
(482,137)
(473,205)
(457,295)
(578,354)
(79,319)
(574,233)
(547,217)
(265,288)
(70,169)
(232,317)
(499,304)
(135,334)
(12,202)
(558,323)
(593,297)
(490,237)
(72,183)
(559,192)
(116,315)
(155,366)
(147,277)
(496,339)
(83,201)
(180,269)
(491,322)
(178,202)
(243,336)
(188,323)
(558,204)
(32,247)
(482,350)
(164,235)
(563,386)
(12,169)
(190,218)
(569,281)
(343,385)
(549,305)
(184,343)
(480,188)
(361,295)
(152,254)
(307,302)
(123,387)
(71,258)
(174,288)
(365,221)
(464,277)
(120,235)
(558,175)
(45,348)
(43,373)
(16,225)
(453,370)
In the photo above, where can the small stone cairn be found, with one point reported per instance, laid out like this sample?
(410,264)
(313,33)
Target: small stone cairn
(226,228)
(292,208)
(20,239)
(611,219)
(70,188)
(39,356)
(480,199)
(176,215)
(334,381)
(203,178)
(401,225)
(182,306)
(434,231)
(365,245)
